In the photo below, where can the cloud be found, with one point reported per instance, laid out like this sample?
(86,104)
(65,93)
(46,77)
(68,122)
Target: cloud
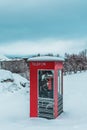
(30,19)
(54,46)
(37,5)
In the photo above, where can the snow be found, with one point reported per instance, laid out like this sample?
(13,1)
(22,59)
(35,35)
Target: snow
(2,58)
(5,75)
(11,81)
(14,107)
(46,58)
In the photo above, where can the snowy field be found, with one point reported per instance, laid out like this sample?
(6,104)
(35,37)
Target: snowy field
(14,105)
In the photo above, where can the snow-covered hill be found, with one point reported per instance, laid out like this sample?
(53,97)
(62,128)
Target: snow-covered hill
(14,108)
(2,58)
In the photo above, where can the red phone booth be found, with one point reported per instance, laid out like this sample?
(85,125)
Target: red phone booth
(46,86)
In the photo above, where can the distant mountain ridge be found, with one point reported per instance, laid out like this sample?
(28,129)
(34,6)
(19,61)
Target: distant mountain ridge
(3,57)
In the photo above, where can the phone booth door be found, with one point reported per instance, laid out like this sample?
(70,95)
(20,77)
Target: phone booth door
(45,93)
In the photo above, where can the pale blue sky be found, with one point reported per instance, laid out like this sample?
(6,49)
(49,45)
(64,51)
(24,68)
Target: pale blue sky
(38,20)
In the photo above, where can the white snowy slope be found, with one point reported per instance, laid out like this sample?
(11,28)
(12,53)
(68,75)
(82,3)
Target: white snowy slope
(2,58)
(14,108)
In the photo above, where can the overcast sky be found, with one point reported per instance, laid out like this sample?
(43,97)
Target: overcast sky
(42,26)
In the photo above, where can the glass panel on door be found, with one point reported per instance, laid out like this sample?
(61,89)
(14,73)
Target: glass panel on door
(45,79)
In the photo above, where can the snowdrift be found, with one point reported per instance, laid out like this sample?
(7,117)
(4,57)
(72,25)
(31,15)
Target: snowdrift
(11,82)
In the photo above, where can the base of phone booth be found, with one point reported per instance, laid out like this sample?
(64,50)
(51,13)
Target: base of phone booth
(46,107)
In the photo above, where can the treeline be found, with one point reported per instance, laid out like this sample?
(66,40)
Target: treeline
(75,62)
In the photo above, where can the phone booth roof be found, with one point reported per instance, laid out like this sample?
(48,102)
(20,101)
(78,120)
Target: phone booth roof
(46,58)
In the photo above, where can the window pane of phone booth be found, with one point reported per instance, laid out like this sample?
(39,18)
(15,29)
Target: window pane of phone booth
(60,82)
(45,83)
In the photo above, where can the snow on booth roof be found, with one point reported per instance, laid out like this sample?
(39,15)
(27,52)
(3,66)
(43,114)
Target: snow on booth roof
(46,58)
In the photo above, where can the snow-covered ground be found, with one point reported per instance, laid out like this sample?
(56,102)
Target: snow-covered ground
(14,107)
